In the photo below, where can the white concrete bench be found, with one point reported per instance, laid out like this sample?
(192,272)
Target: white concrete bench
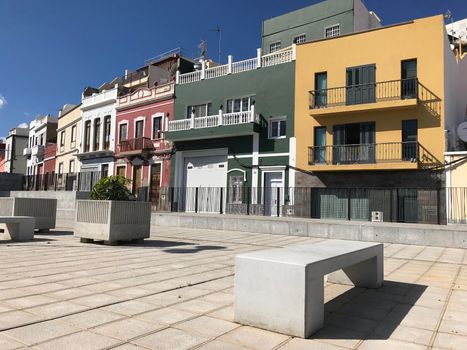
(18,228)
(282,290)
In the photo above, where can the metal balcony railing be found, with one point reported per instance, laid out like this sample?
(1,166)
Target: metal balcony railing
(365,93)
(364,153)
(138,144)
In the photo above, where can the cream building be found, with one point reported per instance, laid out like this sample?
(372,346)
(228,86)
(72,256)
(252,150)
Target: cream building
(68,142)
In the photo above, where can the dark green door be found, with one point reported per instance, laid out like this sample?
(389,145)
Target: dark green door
(409,83)
(361,85)
(321,85)
(410,140)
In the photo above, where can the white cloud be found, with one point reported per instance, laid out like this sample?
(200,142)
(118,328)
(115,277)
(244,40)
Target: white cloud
(23,125)
(3,101)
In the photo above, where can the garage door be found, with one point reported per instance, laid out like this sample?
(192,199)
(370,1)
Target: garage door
(204,178)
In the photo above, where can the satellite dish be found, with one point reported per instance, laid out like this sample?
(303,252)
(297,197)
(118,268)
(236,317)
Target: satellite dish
(462,131)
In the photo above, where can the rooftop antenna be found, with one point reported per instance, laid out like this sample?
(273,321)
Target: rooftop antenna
(218,30)
(448,16)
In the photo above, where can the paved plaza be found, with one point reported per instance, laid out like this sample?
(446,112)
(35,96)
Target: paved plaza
(175,291)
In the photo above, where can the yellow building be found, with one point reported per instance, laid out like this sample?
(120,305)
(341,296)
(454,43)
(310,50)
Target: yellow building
(68,141)
(375,109)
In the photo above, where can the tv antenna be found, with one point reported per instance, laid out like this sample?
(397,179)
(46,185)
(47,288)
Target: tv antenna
(218,30)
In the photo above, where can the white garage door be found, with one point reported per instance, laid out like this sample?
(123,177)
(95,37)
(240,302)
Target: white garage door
(205,176)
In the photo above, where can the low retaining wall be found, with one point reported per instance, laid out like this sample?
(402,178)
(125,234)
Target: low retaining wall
(454,236)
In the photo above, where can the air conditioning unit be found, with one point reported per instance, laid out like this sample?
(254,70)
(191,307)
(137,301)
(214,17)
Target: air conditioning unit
(376,216)
(27,152)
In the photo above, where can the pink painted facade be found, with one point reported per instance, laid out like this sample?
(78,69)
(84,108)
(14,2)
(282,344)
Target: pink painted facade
(142,153)
(2,156)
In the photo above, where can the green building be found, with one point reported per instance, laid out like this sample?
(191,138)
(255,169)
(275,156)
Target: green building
(233,124)
(323,20)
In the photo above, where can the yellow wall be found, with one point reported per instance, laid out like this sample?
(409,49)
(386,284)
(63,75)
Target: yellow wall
(422,39)
(70,149)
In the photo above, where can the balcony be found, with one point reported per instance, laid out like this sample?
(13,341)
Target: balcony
(214,126)
(135,147)
(135,78)
(377,156)
(144,96)
(100,99)
(356,98)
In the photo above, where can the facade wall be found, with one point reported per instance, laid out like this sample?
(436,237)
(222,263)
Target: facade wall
(49,159)
(311,20)
(15,161)
(68,151)
(273,92)
(164,109)
(93,107)
(422,39)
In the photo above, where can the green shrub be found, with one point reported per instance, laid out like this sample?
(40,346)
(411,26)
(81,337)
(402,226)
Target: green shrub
(112,188)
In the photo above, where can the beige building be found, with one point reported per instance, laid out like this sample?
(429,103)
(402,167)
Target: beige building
(68,141)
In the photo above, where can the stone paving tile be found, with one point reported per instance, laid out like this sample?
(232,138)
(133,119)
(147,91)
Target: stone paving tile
(57,309)
(171,339)
(167,316)
(11,319)
(41,332)
(91,318)
(79,341)
(6,343)
(389,344)
(126,329)
(254,338)
(207,326)
(302,344)
(131,307)
(450,341)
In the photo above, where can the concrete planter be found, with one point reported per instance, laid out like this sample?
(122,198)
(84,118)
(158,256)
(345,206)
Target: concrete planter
(112,221)
(44,210)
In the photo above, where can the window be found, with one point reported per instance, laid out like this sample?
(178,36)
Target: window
(235,190)
(239,104)
(321,92)
(105,170)
(71,168)
(361,84)
(73,133)
(409,83)
(277,128)
(62,138)
(353,143)
(60,169)
(139,129)
(201,110)
(97,133)
(121,170)
(123,132)
(156,128)
(299,39)
(87,136)
(275,47)
(319,154)
(107,132)
(409,139)
(332,31)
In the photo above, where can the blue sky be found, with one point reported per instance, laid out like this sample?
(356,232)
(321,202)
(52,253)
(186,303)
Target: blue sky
(51,49)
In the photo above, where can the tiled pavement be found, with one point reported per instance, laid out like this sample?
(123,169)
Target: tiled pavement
(175,291)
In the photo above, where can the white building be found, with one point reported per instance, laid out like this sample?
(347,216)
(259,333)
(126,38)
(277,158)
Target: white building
(97,149)
(42,132)
(16,141)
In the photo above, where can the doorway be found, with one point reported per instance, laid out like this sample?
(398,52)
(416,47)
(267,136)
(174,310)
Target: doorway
(137,181)
(155,185)
(273,188)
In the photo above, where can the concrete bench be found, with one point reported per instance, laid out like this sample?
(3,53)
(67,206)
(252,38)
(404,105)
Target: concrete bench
(282,290)
(18,228)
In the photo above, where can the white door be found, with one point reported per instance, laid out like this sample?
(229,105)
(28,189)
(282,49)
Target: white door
(273,182)
(204,178)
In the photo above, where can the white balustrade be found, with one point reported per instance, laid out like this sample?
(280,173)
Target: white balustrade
(243,66)
(280,57)
(213,121)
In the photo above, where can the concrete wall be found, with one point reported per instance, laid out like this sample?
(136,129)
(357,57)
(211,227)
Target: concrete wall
(427,235)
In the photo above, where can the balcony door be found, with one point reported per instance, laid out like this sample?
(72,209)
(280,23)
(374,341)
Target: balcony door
(409,84)
(155,184)
(410,140)
(321,85)
(354,143)
(361,85)
(139,129)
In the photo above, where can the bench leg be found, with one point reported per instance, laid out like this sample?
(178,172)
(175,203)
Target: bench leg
(19,231)
(314,306)
(367,274)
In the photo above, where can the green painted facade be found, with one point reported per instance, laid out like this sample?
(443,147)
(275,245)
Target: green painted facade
(273,91)
(311,20)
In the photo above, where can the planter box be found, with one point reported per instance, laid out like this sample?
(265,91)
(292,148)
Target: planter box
(44,210)
(112,221)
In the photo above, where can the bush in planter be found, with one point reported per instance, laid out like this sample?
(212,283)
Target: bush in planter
(113,188)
